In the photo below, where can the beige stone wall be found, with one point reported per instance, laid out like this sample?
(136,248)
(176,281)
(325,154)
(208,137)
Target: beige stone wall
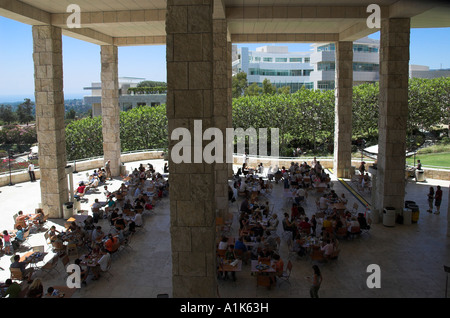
(190,96)
(110,107)
(394,61)
(343,109)
(48,78)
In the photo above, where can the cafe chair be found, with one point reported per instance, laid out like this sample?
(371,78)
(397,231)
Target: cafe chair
(286,274)
(16,274)
(71,247)
(51,265)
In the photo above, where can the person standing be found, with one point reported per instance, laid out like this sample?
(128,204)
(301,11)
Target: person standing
(430,200)
(316,281)
(31,171)
(108,169)
(438,199)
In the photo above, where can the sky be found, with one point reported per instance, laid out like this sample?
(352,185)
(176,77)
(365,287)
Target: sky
(81,60)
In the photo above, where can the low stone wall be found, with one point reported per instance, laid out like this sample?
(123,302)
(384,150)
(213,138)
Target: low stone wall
(23,176)
(86,165)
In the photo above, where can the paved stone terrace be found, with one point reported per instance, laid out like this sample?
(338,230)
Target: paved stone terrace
(411,257)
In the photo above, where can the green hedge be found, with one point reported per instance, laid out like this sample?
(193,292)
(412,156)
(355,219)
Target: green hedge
(305,118)
(147,90)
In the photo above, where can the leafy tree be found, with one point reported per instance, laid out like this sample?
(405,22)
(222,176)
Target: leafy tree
(151,84)
(6,114)
(284,90)
(268,88)
(70,114)
(25,112)
(239,84)
(253,90)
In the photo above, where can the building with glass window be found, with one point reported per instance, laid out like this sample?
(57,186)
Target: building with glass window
(366,65)
(127,100)
(276,63)
(315,69)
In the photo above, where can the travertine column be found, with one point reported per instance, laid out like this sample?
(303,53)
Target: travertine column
(221,113)
(343,109)
(448,213)
(394,60)
(48,81)
(230,94)
(110,107)
(190,97)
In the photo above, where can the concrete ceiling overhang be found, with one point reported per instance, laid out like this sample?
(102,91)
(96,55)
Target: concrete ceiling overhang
(142,22)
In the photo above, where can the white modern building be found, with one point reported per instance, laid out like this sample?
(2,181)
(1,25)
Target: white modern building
(314,69)
(276,63)
(127,100)
(365,63)
(421,71)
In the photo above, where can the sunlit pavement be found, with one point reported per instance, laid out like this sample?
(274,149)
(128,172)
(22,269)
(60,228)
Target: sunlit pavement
(410,257)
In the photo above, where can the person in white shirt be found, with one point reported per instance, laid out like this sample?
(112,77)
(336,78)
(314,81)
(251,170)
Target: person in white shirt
(31,172)
(103,263)
(327,250)
(300,195)
(137,219)
(323,202)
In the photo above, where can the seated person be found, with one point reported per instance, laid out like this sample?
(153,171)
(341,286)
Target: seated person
(26,272)
(362,222)
(137,219)
(223,244)
(241,248)
(97,234)
(305,226)
(21,220)
(328,250)
(112,244)
(103,264)
(354,224)
(80,190)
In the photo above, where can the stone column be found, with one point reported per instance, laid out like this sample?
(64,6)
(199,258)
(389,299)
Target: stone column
(394,60)
(48,82)
(190,98)
(343,109)
(221,111)
(448,213)
(110,107)
(230,94)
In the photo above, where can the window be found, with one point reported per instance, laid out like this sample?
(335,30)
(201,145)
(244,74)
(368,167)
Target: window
(325,66)
(257,58)
(295,59)
(307,59)
(267,59)
(306,72)
(296,72)
(281,59)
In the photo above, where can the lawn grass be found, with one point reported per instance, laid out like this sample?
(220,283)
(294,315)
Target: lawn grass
(432,160)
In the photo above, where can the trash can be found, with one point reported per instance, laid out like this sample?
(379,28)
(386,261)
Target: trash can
(420,176)
(407,216)
(414,212)
(389,216)
(67,210)
(408,203)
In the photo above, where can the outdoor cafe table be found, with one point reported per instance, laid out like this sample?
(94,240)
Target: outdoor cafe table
(339,206)
(264,272)
(33,257)
(227,266)
(77,218)
(64,292)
